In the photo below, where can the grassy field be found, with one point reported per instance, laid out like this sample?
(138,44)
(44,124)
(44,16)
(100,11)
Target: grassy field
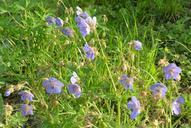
(32,51)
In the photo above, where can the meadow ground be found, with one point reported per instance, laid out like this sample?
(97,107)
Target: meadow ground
(131,47)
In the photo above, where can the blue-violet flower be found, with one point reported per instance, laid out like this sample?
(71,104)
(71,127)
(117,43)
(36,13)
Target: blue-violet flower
(26,95)
(53,86)
(90,53)
(26,109)
(68,31)
(172,71)
(137,45)
(159,90)
(135,107)
(176,109)
(127,82)
(74,89)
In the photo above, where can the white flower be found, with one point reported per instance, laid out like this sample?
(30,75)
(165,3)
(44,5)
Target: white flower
(91,22)
(74,78)
(79,10)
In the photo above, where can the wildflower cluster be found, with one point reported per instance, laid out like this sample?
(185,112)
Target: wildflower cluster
(54,86)
(26,97)
(159,90)
(26,108)
(87,25)
(58,22)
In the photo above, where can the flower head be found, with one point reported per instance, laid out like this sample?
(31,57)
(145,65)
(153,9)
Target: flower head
(68,31)
(83,26)
(50,20)
(26,109)
(176,109)
(134,105)
(85,23)
(137,45)
(75,90)
(59,22)
(26,95)
(90,53)
(172,71)
(74,79)
(53,86)
(54,21)
(9,90)
(159,90)
(126,81)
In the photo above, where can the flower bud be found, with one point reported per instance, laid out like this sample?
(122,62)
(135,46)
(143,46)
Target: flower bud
(9,91)
(163,62)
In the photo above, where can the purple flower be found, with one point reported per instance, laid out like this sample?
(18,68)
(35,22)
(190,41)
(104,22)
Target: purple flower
(158,90)
(54,21)
(26,109)
(68,31)
(176,109)
(8,92)
(75,90)
(58,22)
(50,20)
(84,15)
(74,79)
(134,105)
(127,82)
(85,23)
(90,53)
(83,26)
(25,95)
(137,45)
(172,71)
(53,86)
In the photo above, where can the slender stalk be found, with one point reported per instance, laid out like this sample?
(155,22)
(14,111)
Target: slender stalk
(184,46)
(170,101)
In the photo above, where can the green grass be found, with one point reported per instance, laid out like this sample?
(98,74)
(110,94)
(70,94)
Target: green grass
(30,51)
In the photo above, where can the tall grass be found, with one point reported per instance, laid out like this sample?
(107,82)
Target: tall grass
(30,51)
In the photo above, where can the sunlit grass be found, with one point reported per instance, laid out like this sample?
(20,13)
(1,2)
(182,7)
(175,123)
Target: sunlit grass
(32,51)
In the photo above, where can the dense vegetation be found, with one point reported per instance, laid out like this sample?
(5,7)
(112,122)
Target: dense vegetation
(32,50)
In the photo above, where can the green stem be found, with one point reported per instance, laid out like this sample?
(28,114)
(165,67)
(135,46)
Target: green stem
(170,101)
